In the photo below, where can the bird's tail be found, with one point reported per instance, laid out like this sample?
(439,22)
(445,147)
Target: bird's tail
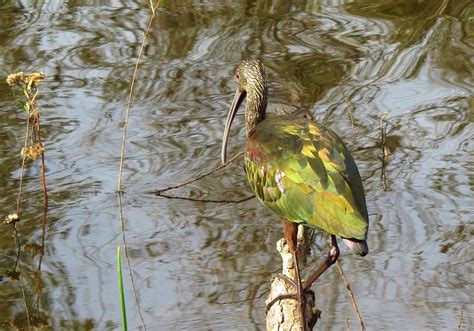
(358,246)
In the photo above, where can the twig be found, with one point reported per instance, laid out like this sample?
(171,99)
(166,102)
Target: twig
(351,294)
(160,191)
(207,200)
(460,320)
(385,151)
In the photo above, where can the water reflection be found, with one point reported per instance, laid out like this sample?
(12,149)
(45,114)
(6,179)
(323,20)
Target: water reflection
(207,265)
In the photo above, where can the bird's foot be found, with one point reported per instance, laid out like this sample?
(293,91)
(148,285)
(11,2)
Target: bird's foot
(332,257)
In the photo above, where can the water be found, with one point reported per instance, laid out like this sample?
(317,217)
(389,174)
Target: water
(206,265)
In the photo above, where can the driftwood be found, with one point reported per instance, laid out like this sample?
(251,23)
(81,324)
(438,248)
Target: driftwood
(285,314)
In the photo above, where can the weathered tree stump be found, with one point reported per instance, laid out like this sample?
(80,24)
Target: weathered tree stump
(285,314)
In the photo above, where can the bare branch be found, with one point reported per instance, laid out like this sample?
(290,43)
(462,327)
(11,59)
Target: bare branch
(460,321)
(160,191)
(351,294)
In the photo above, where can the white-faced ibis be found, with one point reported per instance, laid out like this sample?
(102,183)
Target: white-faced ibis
(301,171)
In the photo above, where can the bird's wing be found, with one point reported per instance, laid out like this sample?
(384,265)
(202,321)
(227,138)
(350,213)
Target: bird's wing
(305,174)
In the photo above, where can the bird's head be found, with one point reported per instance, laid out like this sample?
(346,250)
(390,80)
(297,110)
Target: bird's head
(251,84)
(250,75)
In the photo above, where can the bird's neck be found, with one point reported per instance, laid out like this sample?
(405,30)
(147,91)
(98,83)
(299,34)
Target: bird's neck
(256,108)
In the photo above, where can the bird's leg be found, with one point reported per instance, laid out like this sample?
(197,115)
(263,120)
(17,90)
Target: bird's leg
(330,260)
(290,231)
(299,287)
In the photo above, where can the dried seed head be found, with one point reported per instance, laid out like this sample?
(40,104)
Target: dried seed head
(11,218)
(31,80)
(15,79)
(32,152)
(34,79)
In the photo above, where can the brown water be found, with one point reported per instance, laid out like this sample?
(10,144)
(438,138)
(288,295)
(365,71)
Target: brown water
(204,265)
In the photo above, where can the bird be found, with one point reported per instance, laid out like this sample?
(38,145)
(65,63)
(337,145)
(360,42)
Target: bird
(300,170)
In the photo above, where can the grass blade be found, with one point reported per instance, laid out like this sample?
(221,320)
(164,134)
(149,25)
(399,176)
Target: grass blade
(122,296)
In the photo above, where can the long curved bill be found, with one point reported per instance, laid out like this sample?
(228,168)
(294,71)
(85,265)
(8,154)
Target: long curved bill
(238,98)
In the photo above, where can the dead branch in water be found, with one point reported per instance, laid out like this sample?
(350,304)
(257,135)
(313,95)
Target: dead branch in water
(207,200)
(160,191)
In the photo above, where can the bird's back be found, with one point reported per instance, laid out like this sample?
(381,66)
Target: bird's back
(305,174)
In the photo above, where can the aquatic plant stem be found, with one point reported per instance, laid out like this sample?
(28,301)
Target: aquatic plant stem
(43,175)
(17,239)
(29,84)
(22,172)
(385,151)
(122,152)
(130,94)
(38,270)
(18,263)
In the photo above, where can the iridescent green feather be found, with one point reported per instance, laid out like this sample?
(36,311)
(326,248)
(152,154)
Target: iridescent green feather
(305,174)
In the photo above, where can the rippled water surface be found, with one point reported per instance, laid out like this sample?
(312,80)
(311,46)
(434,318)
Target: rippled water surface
(205,264)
